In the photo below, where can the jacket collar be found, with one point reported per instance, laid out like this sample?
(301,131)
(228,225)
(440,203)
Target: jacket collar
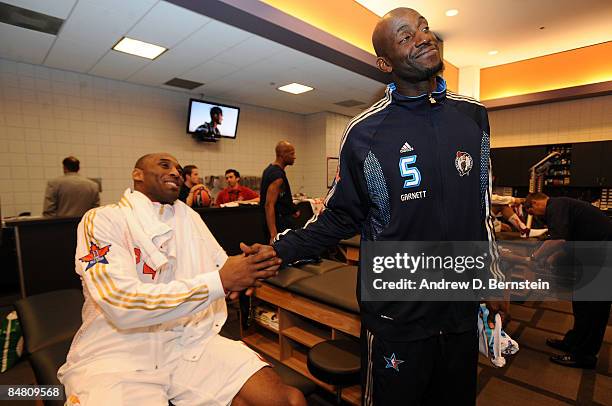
(438,95)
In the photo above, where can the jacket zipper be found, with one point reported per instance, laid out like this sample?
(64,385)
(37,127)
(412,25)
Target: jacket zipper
(443,216)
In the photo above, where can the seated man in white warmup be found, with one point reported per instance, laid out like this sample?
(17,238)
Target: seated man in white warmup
(155,281)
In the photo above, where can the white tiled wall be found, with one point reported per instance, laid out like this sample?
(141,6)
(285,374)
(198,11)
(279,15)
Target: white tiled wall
(323,134)
(336,124)
(47,114)
(553,123)
(313,154)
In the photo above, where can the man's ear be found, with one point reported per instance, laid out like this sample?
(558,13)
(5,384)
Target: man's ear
(383,65)
(137,175)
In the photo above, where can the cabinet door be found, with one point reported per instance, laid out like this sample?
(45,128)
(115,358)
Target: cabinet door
(606,163)
(586,168)
(529,157)
(504,162)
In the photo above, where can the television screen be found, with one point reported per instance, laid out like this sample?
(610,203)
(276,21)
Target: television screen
(209,121)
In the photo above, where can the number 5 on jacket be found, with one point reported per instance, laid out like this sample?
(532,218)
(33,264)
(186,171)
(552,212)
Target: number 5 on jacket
(410,172)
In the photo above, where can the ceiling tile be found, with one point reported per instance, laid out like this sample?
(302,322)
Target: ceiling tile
(198,48)
(219,36)
(55,8)
(118,65)
(20,44)
(210,71)
(249,51)
(100,24)
(167,24)
(74,56)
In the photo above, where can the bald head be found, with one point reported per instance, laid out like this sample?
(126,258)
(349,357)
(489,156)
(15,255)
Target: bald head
(282,147)
(386,27)
(142,161)
(158,177)
(285,153)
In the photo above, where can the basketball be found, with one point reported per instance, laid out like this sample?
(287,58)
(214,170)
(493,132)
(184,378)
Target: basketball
(202,198)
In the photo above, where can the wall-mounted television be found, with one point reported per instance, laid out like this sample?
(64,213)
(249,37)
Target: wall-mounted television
(209,121)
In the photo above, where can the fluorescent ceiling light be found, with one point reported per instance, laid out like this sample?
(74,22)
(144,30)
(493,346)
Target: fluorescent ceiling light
(139,48)
(452,12)
(493,52)
(295,88)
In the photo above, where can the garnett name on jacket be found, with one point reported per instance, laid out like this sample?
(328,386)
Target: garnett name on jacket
(414,195)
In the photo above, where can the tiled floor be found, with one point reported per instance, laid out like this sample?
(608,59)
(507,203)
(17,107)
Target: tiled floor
(528,379)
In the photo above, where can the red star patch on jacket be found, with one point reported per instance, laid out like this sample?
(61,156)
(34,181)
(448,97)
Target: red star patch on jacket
(146,269)
(96,255)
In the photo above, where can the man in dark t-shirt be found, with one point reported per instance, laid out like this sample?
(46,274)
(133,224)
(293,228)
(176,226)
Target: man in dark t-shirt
(276,197)
(574,220)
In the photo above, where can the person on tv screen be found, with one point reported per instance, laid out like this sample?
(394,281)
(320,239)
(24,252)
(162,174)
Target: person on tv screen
(211,130)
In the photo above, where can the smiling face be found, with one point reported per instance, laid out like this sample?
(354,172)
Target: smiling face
(158,176)
(406,47)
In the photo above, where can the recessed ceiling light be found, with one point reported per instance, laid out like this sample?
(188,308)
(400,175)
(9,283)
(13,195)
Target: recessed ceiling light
(452,12)
(295,88)
(139,48)
(493,52)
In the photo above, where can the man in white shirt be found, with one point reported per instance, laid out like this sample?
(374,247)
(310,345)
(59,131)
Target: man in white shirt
(155,281)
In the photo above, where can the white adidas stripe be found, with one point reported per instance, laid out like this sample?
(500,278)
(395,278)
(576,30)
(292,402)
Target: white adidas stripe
(375,108)
(464,98)
(472,101)
(455,96)
(367,398)
(489,226)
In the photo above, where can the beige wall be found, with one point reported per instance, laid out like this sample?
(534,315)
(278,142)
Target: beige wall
(47,114)
(323,134)
(553,123)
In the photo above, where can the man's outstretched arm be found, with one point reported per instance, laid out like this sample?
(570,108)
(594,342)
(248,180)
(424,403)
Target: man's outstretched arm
(344,214)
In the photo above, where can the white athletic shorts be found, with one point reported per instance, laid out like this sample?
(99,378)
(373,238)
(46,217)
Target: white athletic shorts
(214,379)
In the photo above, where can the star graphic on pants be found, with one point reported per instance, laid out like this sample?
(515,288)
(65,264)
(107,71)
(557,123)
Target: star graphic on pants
(393,362)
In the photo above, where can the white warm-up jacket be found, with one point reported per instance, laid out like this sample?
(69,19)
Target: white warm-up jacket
(151,282)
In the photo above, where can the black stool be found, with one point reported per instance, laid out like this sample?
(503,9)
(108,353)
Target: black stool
(336,362)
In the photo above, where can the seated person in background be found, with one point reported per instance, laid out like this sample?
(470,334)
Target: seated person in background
(192,190)
(155,281)
(70,195)
(235,192)
(200,196)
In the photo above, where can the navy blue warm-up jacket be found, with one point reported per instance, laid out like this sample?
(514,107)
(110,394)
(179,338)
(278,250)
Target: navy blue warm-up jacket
(410,169)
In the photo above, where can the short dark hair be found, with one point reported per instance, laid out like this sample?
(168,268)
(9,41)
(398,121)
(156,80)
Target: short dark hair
(187,169)
(236,173)
(71,164)
(533,196)
(216,110)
